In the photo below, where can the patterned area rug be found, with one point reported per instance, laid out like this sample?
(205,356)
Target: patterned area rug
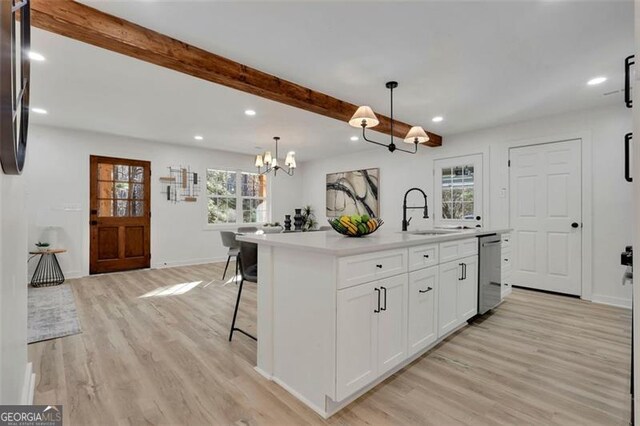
(52,313)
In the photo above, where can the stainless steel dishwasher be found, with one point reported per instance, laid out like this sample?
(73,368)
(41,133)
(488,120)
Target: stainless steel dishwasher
(489,273)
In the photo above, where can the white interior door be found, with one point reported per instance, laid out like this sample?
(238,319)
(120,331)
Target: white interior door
(546,215)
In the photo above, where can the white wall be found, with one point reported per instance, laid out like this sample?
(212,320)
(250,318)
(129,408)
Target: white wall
(612,217)
(13,291)
(58,189)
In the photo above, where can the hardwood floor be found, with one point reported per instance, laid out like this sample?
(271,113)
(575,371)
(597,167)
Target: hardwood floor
(150,355)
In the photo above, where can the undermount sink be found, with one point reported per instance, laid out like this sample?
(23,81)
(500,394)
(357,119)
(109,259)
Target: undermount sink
(436,232)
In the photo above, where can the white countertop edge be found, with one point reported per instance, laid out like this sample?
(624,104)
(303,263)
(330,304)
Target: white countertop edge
(332,243)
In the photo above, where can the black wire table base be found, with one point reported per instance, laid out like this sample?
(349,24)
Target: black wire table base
(48,271)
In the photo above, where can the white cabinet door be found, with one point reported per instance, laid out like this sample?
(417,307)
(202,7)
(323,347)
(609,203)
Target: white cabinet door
(423,318)
(468,289)
(392,323)
(449,275)
(357,329)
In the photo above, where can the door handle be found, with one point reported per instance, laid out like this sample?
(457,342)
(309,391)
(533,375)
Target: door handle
(627,157)
(575,225)
(461,265)
(629,60)
(425,291)
(376,311)
(464,270)
(385,298)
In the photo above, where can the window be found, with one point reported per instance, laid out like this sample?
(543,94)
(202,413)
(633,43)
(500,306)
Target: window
(236,197)
(458,190)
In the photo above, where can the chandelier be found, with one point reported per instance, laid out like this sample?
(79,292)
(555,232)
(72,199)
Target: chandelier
(271,162)
(365,118)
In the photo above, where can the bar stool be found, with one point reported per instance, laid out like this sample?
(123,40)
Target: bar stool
(229,241)
(248,260)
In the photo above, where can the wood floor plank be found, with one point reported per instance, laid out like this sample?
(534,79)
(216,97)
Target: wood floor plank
(154,351)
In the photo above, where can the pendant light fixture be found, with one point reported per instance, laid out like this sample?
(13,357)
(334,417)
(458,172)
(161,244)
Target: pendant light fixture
(365,118)
(271,162)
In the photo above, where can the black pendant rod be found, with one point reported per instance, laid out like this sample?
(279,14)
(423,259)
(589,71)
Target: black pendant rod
(392,146)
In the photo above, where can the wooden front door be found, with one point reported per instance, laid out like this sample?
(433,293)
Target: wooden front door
(120,215)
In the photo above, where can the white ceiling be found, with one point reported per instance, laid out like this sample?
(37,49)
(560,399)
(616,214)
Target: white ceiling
(479,64)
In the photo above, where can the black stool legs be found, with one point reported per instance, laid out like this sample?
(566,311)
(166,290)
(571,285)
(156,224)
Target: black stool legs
(224,274)
(235,314)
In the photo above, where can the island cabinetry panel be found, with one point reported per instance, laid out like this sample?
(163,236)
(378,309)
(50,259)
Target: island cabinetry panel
(457,249)
(371,332)
(468,289)
(423,309)
(423,256)
(354,270)
(449,274)
(457,293)
(506,264)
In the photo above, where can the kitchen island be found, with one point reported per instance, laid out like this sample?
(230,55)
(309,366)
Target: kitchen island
(338,315)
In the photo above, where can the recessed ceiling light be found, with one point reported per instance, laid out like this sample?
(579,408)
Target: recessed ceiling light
(437,119)
(39,111)
(354,138)
(249,112)
(596,80)
(35,56)
(198,137)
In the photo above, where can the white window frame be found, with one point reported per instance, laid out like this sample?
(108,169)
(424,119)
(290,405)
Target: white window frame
(478,174)
(239,197)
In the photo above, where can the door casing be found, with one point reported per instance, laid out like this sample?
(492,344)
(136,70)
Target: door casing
(94,266)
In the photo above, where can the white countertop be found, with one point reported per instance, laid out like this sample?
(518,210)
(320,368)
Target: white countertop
(330,242)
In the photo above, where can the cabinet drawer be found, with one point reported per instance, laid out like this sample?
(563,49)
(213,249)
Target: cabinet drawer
(452,250)
(363,268)
(423,256)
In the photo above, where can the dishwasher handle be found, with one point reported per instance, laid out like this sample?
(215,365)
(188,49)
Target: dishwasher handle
(493,243)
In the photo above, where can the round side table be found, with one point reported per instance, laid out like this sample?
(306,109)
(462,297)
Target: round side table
(48,271)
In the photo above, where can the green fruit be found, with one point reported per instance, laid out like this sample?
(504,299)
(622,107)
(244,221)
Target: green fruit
(362,228)
(355,219)
(365,218)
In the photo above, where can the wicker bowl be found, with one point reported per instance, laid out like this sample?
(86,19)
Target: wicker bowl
(359,232)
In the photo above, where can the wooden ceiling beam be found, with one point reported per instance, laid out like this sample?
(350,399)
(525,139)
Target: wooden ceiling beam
(89,25)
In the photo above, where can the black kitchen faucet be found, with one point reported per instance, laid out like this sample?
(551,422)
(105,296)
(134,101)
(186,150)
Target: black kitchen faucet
(405,222)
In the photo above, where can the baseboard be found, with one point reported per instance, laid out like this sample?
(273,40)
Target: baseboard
(189,262)
(28,386)
(314,407)
(613,301)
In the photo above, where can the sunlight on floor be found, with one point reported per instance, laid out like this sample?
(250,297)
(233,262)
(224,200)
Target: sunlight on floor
(171,290)
(235,279)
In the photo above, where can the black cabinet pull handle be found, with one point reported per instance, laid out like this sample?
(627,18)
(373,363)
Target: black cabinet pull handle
(628,61)
(461,265)
(627,158)
(426,256)
(464,268)
(377,310)
(379,266)
(425,291)
(385,298)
